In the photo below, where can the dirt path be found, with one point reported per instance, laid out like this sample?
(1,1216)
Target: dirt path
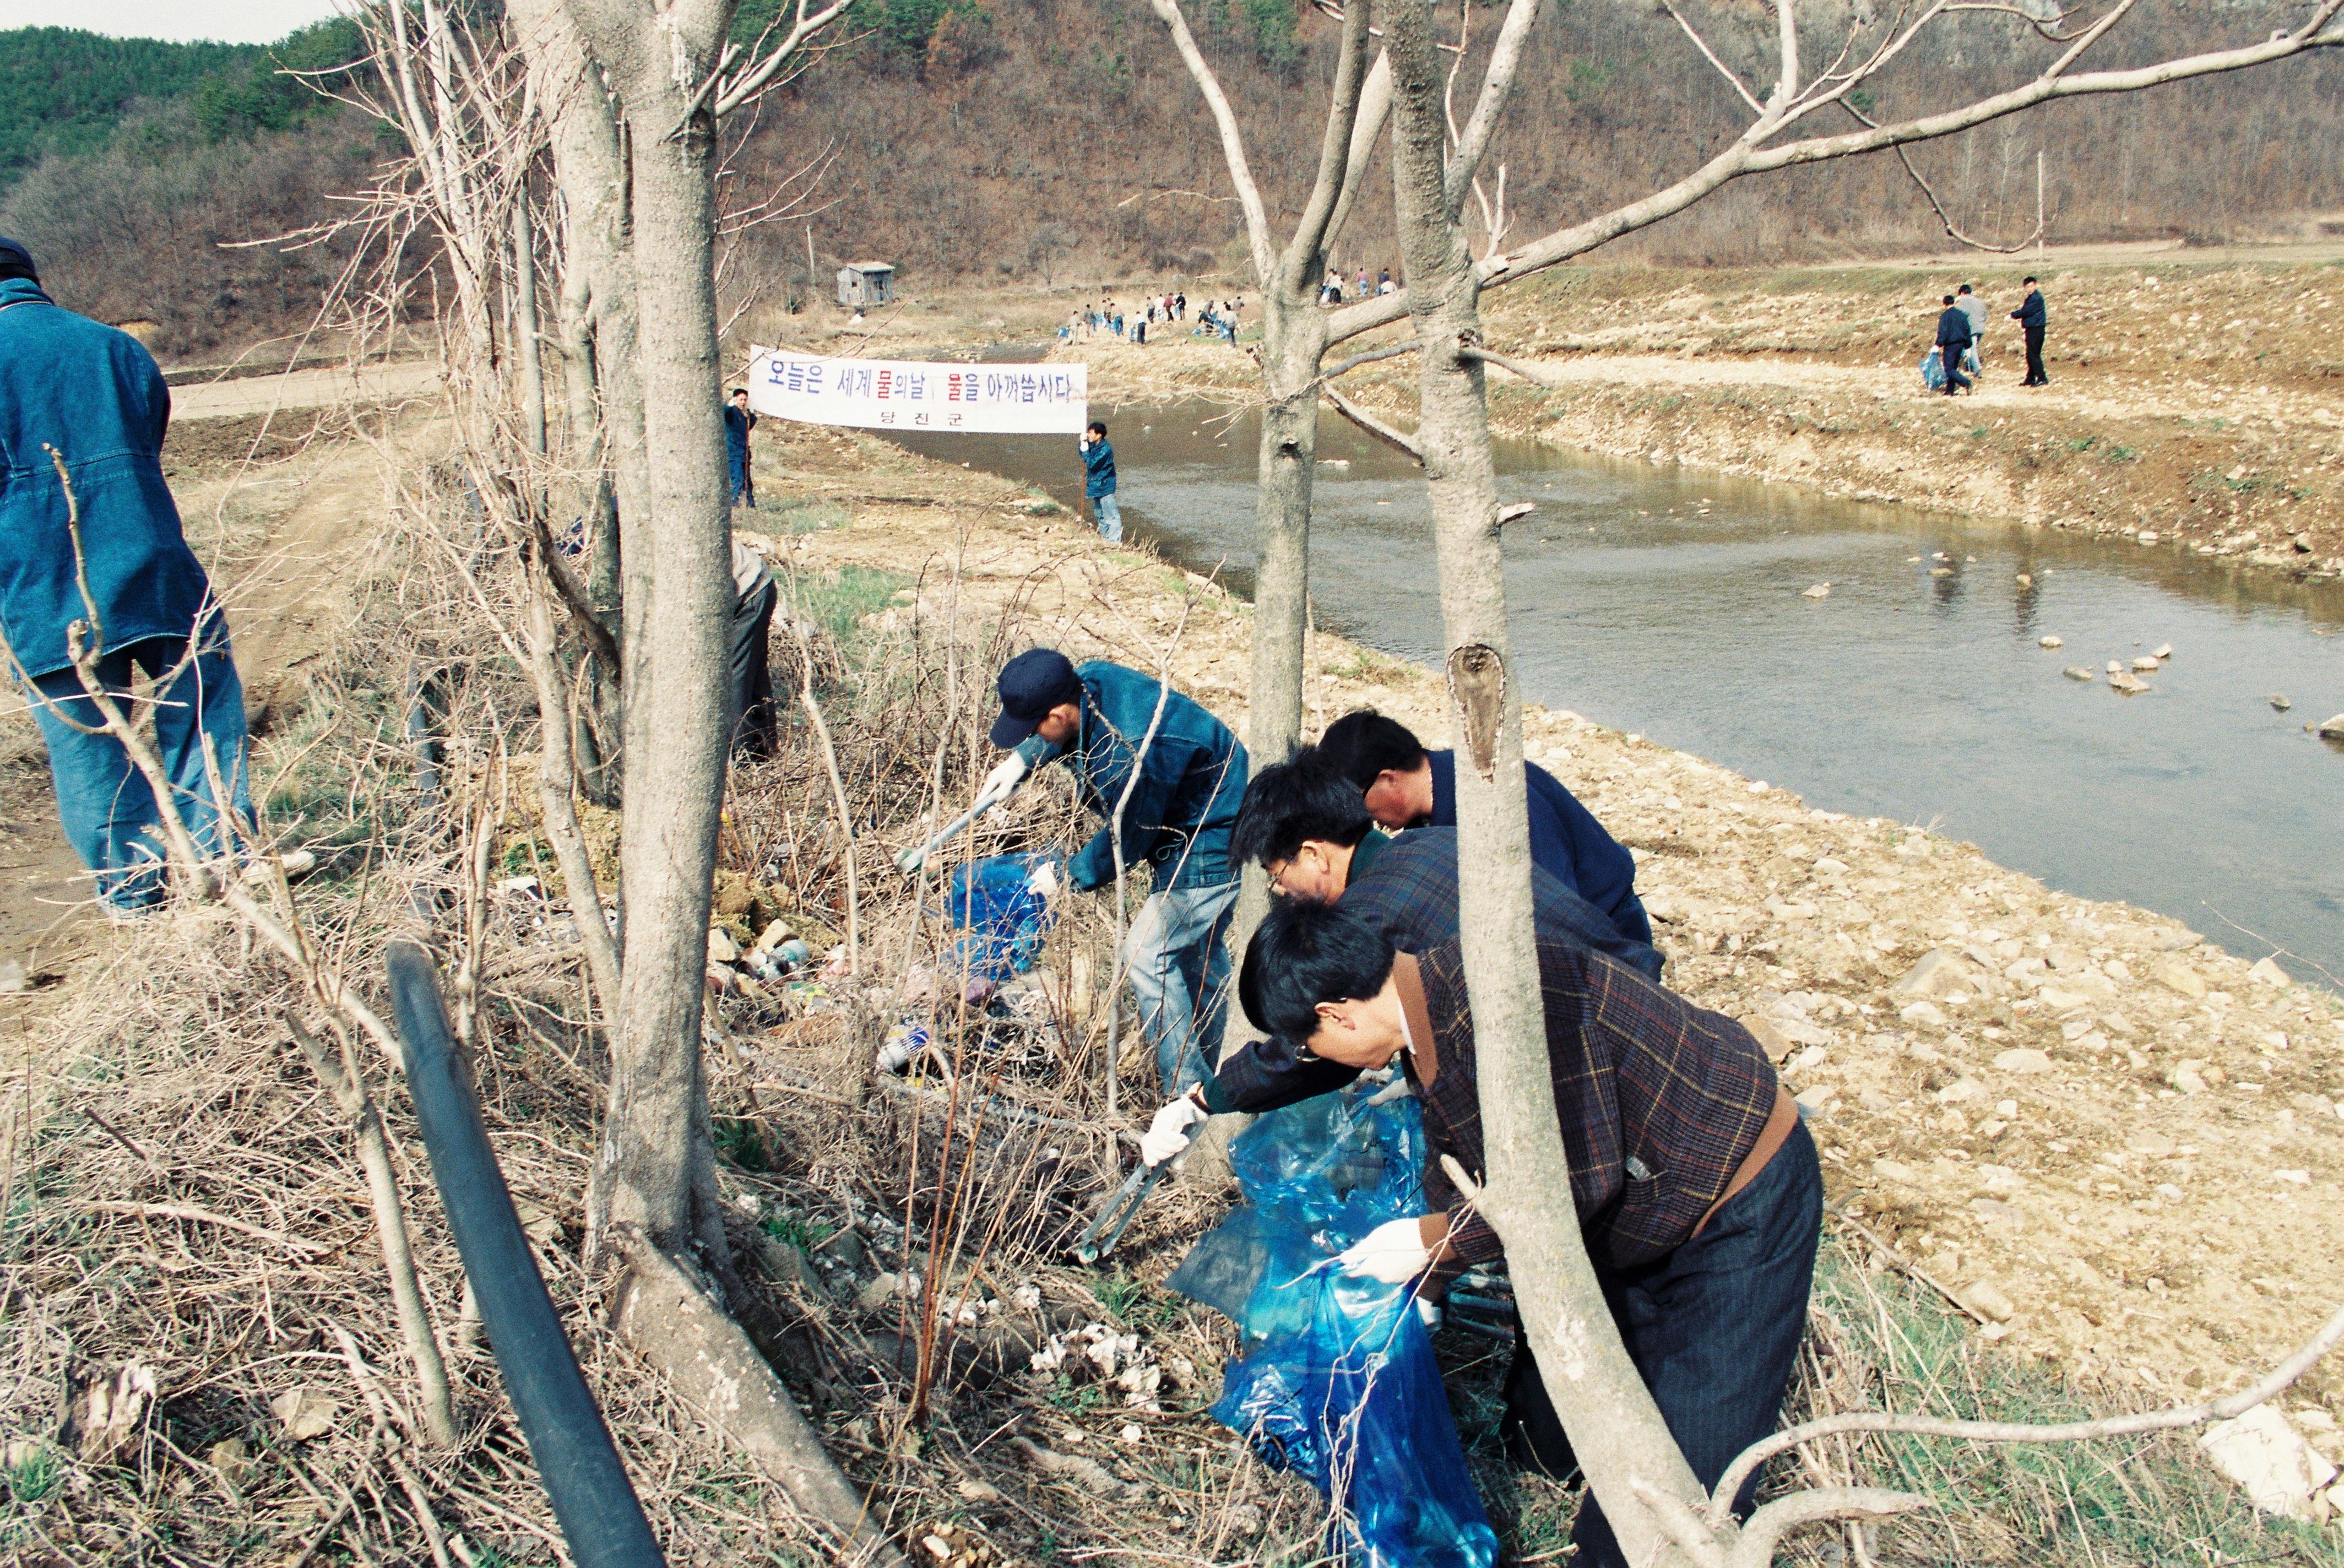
(2082,1112)
(304,390)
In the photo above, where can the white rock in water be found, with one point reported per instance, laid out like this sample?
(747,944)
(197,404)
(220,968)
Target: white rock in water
(2130,686)
(2279,703)
(2267,972)
(2116,667)
(2269,1460)
(1820,591)
(2078,672)
(2053,643)
(2164,651)
(2144,664)
(2147,537)
(2333,729)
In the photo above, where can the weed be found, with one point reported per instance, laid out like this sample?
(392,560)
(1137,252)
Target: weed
(2123,454)
(34,1474)
(2083,443)
(798,1230)
(739,1145)
(838,603)
(1077,1399)
(1977,433)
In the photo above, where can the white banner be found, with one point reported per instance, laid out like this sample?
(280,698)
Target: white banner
(907,395)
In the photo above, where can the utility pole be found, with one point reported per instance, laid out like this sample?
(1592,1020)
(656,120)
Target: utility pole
(810,279)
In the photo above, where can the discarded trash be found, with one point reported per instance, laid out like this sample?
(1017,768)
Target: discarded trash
(1342,1388)
(1003,903)
(904,1043)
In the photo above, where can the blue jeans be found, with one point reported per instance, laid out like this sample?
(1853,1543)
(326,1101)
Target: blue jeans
(1178,955)
(1109,516)
(1714,1327)
(104,800)
(745,484)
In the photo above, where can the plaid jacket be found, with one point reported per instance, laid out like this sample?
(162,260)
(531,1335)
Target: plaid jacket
(1660,1101)
(1406,887)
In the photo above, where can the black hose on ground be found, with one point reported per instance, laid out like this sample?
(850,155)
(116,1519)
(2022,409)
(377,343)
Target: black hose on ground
(600,1514)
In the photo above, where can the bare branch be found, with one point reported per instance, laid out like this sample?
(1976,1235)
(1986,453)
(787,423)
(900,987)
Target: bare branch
(732,94)
(1367,126)
(1265,254)
(1497,86)
(1754,1547)
(1731,77)
(1389,351)
(1375,426)
(2277,1381)
(1334,156)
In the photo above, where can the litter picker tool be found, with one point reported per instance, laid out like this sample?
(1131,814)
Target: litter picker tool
(1116,1215)
(999,786)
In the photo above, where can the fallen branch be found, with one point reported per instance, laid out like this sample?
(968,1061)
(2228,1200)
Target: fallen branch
(206,1217)
(1372,425)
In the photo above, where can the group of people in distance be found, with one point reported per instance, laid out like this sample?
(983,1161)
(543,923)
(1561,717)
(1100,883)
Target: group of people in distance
(1961,339)
(1699,1191)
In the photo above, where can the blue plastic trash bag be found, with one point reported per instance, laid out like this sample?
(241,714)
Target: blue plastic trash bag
(1005,919)
(1933,370)
(1341,1387)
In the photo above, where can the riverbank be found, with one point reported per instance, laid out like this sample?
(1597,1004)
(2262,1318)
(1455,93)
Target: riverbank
(2118,1139)
(2196,403)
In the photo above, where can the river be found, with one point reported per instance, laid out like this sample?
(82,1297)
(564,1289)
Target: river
(1671,602)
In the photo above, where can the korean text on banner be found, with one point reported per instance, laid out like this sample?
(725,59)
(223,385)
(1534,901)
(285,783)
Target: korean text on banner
(906,395)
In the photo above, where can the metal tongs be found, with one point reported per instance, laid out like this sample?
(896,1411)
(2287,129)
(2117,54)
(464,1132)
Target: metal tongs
(1116,1215)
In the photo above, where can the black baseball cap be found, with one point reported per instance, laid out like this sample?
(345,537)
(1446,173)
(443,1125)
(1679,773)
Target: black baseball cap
(16,261)
(1031,684)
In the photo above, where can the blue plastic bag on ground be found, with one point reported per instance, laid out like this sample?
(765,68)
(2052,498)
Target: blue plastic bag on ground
(1341,1386)
(1004,919)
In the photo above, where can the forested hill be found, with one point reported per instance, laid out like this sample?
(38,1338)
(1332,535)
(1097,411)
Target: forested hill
(67,92)
(1002,140)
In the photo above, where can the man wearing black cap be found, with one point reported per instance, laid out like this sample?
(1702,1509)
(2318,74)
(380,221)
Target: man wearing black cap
(100,544)
(1168,777)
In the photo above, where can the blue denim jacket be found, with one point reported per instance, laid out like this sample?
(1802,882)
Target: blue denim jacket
(1098,471)
(1191,779)
(95,395)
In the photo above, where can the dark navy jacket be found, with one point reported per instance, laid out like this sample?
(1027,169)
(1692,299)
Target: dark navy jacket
(1191,778)
(95,395)
(1567,844)
(2031,313)
(1407,887)
(1098,469)
(738,423)
(1954,329)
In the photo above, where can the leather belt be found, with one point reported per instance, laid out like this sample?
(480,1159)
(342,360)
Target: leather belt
(1771,1139)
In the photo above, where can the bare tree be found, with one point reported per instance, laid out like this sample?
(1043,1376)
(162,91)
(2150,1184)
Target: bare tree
(1662,1512)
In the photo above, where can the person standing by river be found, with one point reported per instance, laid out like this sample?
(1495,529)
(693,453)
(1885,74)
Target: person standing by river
(1952,342)
(2031,318)
(1099,483)
(1975,309)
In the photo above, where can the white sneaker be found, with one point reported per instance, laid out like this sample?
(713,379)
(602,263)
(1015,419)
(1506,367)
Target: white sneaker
(296,863)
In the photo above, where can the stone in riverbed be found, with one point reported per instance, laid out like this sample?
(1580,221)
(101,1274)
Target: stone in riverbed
(2279,703)
(2163,651)
(1987,1301)
(2267,972)
(1939,973)
(2144,664)
(1820,591)
(2023,1059)
(2053,642)
(2130,686)
(2079,673)
(2176,975)
(2333,729)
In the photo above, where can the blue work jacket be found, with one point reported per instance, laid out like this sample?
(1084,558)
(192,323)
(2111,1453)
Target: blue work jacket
(1566,842)
(1098,471)
(1191,778)
(96,396)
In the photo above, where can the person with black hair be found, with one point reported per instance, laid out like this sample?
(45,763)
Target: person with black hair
(1698,1190)
(2031,318)
(1099,483)
(1952,342)
(738,422)
(1305,824)
(1406,786)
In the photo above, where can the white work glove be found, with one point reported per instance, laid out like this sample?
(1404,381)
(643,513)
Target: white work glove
(1005,778)
(1044,879)
(1393,1252)
(1170,1133)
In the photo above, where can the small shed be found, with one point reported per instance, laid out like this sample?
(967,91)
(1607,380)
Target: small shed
(862,283)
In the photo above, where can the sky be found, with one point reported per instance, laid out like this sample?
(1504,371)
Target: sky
(181,21)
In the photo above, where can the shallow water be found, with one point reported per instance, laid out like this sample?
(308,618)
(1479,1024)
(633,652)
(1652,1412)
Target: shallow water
(1670,602)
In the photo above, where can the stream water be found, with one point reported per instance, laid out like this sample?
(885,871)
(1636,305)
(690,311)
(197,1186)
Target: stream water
(1671,602)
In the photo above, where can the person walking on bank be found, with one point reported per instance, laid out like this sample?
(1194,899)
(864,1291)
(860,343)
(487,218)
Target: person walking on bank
(2031,317)
(1952,342)
(1698,1190)
(1166,777)
(77,392)
(1975,309)
(1099,483)
(738,422)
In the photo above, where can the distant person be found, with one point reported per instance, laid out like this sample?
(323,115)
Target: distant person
(738,422)
(755,726)
(1099,483)
(1181,304)
(1975,309)
(1384,285)
(1952,342)
(1139,330)
(1404,785)
(1362,281)
(2031,317)
(75,392)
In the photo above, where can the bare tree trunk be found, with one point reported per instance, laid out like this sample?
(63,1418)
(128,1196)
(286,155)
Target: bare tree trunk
(527,357)
(1614,1427)
(655,1167)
